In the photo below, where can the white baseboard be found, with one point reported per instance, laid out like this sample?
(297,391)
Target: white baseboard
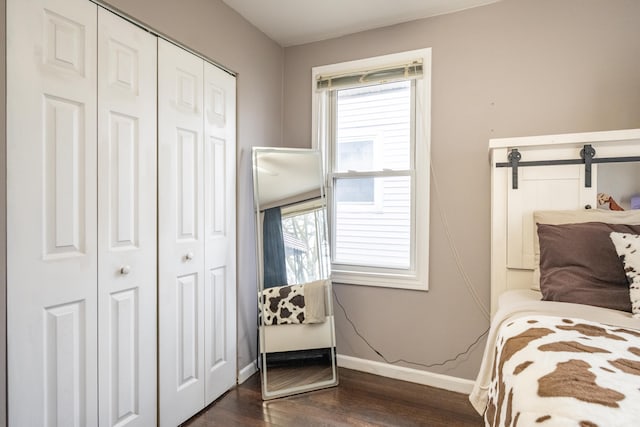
(246,372)
(446,382)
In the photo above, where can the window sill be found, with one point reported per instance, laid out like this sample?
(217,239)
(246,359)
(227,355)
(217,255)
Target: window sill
(385,280)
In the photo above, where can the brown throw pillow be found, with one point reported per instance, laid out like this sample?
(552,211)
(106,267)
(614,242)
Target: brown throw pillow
(579,264)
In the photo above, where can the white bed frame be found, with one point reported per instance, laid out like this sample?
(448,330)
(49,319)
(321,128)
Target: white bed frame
(552,187)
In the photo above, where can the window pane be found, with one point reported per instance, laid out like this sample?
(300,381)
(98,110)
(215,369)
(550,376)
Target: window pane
(377,234)
(373,128)
(355,155)
(303,245)
(355,190)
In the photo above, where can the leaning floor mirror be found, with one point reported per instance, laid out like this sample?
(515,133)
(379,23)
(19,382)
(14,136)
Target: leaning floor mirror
(295,320)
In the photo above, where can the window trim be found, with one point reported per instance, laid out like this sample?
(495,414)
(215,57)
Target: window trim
(416,277)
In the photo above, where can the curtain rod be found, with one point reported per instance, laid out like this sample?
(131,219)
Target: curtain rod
(396,72)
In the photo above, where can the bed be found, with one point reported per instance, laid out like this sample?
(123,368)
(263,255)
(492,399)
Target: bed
(564,344)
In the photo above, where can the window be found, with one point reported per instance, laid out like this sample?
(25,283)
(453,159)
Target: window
(371,121)
(303,232)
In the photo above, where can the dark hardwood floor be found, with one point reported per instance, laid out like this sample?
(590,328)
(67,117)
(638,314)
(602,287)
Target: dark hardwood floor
(282,377)
(361,399)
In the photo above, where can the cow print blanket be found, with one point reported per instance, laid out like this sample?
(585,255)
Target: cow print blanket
(293,304)
(562,371)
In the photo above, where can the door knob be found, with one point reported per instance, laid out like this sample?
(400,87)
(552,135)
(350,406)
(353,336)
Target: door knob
(124,270)
(189,256)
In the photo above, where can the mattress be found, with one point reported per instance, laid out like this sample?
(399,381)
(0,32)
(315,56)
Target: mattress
(523,327)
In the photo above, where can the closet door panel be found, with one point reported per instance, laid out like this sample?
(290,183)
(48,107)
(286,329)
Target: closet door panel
(51,213)
(220,229)
(127,232)
(181,234)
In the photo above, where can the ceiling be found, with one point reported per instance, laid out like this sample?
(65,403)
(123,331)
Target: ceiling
(294,22)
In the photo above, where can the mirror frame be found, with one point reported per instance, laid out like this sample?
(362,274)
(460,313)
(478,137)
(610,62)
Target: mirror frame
(262,355)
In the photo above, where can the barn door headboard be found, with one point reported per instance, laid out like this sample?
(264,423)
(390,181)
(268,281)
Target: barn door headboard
(549,172)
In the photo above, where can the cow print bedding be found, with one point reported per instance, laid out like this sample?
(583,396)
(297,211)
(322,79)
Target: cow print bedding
(283,305)
(561,371)
(293,304)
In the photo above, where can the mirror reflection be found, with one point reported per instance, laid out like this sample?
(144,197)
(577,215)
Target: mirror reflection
(295,321)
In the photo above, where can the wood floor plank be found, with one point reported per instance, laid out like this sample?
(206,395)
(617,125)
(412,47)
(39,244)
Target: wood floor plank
(360,400)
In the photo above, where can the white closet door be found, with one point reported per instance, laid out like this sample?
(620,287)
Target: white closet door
(127,70)
(181,234)
(220,231)
(51,212)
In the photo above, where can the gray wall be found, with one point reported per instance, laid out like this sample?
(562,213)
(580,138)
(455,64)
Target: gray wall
(213,29)
(512,68)
(3,216)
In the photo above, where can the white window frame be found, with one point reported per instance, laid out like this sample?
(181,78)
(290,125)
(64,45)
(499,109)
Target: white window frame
(416,276)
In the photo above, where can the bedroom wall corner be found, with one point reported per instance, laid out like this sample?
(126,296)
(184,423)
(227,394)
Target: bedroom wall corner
(3,214)
(247,371)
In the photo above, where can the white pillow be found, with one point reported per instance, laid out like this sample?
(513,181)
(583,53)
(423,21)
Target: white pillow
(628,249)
(631,217)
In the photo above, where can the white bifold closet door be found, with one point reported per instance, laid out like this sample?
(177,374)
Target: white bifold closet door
(81,283)
(52,262)
(127,232)
(196,216)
